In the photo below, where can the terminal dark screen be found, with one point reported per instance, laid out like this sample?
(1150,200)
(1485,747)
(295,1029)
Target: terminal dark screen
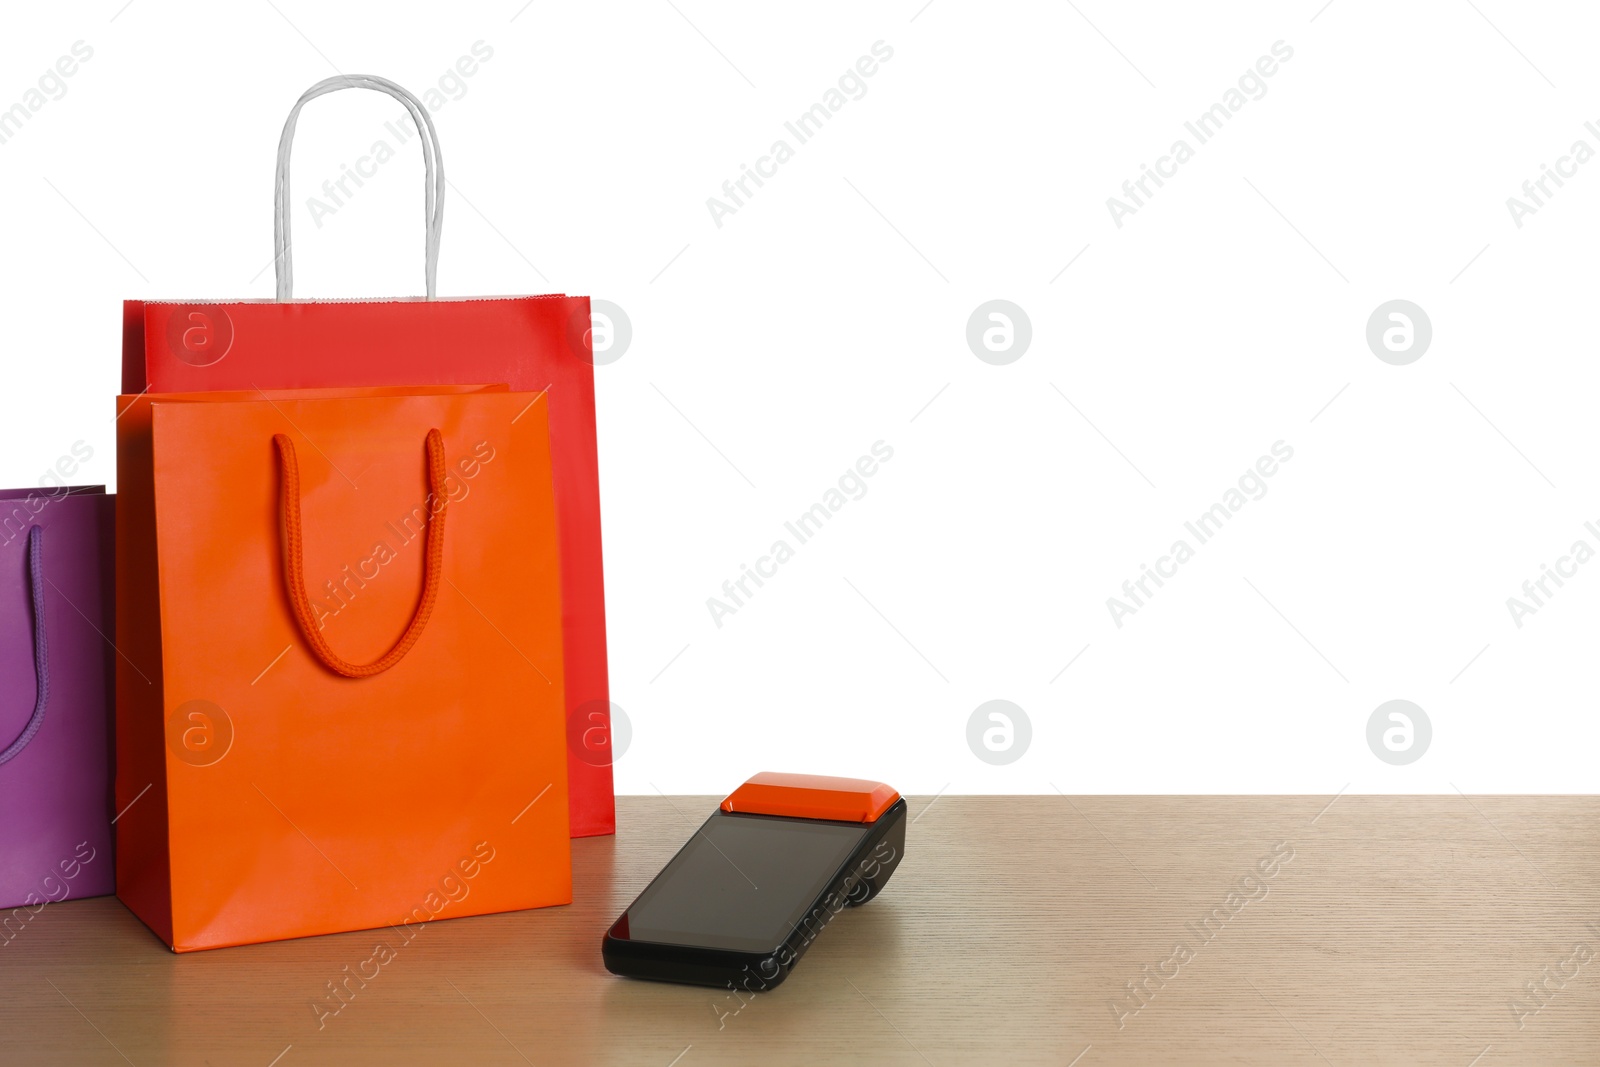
(742,882)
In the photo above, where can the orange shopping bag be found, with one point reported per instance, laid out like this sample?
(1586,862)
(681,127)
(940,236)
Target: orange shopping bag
(339,700)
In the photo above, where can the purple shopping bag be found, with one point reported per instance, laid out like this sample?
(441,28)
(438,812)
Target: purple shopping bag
(56,685)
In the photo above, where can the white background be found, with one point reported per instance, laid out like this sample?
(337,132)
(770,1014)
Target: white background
(830,313)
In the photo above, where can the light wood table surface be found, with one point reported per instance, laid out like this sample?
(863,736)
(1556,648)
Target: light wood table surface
(1401,931)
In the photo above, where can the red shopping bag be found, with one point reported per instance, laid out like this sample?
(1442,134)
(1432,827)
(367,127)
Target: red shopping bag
(532,343)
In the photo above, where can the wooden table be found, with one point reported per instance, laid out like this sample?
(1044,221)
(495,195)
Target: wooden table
(1389,930)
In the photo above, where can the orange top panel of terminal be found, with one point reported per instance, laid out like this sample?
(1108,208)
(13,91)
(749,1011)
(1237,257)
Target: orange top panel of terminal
(812,796)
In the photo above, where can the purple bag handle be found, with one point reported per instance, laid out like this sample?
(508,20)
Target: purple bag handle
(41,654)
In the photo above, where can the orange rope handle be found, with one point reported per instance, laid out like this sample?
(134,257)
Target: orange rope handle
(294,562)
